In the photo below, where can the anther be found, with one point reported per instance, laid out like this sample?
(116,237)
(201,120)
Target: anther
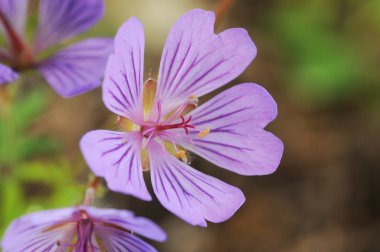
(204,133)
(181,154)
(193,100)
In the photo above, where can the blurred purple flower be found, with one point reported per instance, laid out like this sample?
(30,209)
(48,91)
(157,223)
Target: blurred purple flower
(71,71)
(81,229)
(160,122)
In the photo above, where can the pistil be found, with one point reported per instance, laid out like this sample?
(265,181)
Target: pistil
(182,125)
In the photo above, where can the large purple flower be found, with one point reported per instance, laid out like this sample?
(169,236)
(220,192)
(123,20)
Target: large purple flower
(160,122)
(73,70)
(81,229)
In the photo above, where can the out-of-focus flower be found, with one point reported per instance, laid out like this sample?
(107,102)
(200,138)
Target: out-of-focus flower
(81,229)
(160,122)
(71,71)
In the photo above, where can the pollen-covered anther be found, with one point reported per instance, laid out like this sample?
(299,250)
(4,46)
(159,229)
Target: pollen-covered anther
(145,160)
(181,154)
(145,167)
(204,133)
(193,100)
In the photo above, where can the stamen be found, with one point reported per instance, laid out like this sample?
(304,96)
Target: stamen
(147,140)
(175,146)
(126,125)
(190,104)
(176,113)
(149,91)
(204,133)
(145,160)
(58,225)
(159,111)
(193,99)
(180,154)
(162,143)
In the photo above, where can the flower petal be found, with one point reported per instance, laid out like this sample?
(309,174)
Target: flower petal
(237,141)
(116,157)
(129,221)
(29,233)
(77,68)
(120,241)
(195,60)
(123,81)
(7,75)
(63,19)
(16,12)
(188,193)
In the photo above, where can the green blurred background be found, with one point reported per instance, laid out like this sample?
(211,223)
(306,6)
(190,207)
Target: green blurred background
(319,59)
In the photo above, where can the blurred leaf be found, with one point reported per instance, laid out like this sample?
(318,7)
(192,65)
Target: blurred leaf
(38,185)
(26,109)
(16,142)
(324,64)
(37,145)
(11,202)
(59,178)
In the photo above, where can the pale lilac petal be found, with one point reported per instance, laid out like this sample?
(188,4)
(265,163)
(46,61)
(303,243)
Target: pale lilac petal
(28,233)
(196,61)
(127,220)
(188,193)
(237,141)
(116,157)
(123,81)
(121,241)
(77,68)
(7,75)
(63,19)
(15,11)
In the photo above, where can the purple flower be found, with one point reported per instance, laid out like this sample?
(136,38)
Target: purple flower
(73,70)
(160,123)
(81,229)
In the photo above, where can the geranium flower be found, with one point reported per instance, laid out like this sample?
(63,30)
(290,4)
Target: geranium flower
(71,71)
(161,123)
(81,229)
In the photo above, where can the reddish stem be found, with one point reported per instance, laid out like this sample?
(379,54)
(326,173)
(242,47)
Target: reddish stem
(221,10)
(91,190)
(20,50)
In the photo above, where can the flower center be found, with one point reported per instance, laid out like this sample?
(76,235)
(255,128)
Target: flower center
(80,231)
(159,125)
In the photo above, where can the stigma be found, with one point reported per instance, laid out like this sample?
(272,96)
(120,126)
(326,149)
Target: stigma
(184,124)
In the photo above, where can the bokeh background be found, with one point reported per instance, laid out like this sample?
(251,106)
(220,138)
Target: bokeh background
(319,59)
